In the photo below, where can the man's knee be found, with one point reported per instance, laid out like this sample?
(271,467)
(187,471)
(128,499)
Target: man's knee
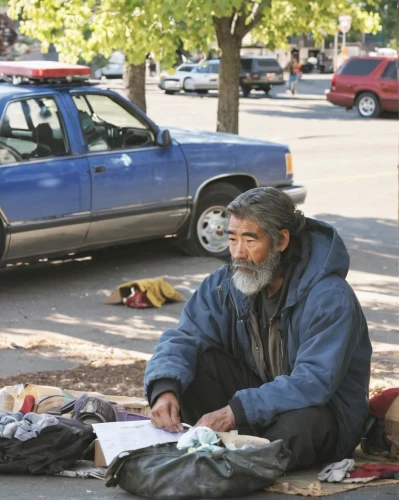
(310,434)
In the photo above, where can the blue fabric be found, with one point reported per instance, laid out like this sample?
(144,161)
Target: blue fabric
(328,347)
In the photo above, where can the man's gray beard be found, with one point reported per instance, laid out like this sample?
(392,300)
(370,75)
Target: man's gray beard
(252,283)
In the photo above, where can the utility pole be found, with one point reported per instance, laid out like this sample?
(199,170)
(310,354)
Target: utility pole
(335,51)
(344,26)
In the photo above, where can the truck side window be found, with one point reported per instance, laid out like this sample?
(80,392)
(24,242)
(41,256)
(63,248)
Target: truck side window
(106,125)
(31,129)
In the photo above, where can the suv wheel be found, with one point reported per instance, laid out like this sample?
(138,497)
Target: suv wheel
(245,90)
(188,85)
(208,237)
(368,105)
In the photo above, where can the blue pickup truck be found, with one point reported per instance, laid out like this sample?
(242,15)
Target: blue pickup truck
(83,168)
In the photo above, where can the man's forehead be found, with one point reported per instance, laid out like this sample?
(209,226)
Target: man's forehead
(243,226)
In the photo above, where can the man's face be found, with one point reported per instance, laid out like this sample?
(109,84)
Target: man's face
(255,259)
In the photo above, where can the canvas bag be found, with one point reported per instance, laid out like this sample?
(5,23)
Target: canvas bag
(165,472)
(56,448)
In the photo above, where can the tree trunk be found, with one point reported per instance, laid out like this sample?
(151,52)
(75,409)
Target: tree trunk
(134,80)
(229,76)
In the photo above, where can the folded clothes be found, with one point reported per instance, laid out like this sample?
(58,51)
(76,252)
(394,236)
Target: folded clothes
(24,427)
(199,439)
(337,471)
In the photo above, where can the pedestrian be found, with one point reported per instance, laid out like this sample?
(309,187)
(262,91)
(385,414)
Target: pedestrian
(274,344)
(293,69)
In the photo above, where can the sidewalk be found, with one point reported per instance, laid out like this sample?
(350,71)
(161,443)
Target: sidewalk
(51,488)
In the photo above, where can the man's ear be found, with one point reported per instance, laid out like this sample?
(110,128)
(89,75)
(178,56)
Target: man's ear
(284,239)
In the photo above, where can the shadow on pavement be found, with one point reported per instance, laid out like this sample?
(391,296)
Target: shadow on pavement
(314,111)
(372,243)
(58,304)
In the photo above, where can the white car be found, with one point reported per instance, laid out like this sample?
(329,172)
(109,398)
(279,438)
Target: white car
(114,68)
(173,83)
(199,78)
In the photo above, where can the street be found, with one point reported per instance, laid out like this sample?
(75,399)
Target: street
(349,166)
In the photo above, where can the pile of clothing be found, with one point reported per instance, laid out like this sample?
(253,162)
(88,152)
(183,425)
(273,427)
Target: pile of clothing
(24,426)
(346,472)
(47,430)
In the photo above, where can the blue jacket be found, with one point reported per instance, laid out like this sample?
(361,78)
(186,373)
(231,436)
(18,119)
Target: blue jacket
(327,346)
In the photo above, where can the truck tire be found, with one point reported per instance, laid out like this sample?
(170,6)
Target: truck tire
(208,237)
(368,105)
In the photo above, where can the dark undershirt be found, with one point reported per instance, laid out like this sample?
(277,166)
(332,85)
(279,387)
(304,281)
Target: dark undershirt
(265,308)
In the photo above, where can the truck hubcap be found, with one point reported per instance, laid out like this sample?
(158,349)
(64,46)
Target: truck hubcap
(211,229)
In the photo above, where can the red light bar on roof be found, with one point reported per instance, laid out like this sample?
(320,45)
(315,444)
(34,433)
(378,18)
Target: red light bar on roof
(43,69)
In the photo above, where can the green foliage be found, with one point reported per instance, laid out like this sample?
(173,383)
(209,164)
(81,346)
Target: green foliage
(82,29)
(388,12)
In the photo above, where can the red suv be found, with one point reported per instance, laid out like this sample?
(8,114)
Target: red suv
(369,83)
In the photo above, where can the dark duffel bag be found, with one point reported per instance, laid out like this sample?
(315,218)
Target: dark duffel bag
(56,448)
(165,472)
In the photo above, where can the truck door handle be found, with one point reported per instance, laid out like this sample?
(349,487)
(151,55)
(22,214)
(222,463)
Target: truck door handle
(100,169)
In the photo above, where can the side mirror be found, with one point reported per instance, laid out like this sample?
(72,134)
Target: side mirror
(163,138)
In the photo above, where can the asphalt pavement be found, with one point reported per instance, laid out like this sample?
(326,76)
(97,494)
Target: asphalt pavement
(54,488)
(349,167)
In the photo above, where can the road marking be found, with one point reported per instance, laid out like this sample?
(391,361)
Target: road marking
(348,177)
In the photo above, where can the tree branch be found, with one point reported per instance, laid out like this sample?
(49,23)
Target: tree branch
(257,16)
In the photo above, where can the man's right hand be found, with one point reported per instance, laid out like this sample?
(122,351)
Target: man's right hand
(165,413)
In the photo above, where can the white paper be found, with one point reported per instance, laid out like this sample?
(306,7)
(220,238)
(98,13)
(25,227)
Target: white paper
(116,437)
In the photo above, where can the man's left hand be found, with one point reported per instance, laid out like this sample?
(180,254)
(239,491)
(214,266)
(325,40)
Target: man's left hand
(221,420)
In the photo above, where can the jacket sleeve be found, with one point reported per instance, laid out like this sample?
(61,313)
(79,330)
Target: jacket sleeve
(327,343)
(202,324)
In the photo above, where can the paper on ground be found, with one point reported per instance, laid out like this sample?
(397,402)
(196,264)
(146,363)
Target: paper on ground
(116,437)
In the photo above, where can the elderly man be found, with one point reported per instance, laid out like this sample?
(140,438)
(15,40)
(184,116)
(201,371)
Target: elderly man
(275,344)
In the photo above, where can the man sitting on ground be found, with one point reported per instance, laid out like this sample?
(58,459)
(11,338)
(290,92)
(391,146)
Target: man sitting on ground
(276,344)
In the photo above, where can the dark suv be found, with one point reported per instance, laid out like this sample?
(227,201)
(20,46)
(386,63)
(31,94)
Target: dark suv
(260,72)
(369,83)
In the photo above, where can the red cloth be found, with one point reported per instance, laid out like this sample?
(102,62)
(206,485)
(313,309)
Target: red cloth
(384,471)
(379,405)
(139,300)
(28,404)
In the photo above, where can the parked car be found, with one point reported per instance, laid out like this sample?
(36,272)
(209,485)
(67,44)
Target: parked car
(82,168)
(114,68)
(204,77)
(174,83)
(260,72)
(368,83)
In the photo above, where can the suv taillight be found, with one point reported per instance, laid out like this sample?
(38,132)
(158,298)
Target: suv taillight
(255,76)
(334,82)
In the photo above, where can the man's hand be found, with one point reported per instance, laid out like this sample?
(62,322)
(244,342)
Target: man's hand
(221,420)
(165,413)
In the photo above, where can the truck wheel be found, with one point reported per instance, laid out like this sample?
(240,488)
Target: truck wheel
(208,235)
(368,105)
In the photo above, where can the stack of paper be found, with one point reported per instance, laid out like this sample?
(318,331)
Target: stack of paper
(116,437)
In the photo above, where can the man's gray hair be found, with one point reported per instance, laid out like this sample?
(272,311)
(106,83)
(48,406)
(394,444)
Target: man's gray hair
(271,208)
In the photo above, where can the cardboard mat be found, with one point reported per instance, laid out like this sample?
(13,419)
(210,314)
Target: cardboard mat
(305,483)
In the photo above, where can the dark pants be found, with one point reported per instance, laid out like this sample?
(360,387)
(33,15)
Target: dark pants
(310,433)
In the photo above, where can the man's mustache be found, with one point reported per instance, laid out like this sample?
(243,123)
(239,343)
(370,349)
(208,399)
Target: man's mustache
(237,264)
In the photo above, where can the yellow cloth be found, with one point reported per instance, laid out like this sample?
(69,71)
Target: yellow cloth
(158,291)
